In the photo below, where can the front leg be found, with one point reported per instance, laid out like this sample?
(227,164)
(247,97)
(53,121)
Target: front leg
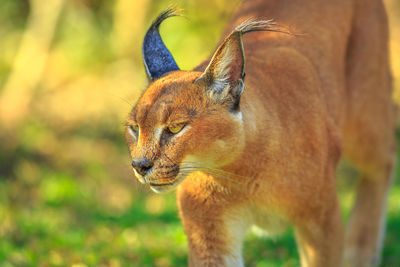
(320,234)
(214,224)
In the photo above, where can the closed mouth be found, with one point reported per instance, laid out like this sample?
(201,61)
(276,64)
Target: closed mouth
(163,184)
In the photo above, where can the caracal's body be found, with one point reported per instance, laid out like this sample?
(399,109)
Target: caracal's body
(309,98)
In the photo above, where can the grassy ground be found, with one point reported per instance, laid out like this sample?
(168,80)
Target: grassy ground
(52,216)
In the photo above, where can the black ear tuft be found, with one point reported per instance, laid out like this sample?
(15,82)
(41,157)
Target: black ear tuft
(157,59)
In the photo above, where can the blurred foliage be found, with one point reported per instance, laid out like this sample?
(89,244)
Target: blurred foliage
(69,73)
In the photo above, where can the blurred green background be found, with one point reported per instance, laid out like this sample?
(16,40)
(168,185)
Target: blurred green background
(69,73)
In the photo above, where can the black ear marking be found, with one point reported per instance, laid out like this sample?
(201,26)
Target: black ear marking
(157,59)
(236,92)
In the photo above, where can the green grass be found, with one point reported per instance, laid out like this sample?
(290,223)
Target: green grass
(60,208)
(52,216)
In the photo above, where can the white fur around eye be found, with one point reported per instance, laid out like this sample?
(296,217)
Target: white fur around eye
(185,128)
(157,133)
(132,133)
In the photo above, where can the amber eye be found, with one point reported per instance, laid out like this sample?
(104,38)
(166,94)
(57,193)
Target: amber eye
(176,128)
(134,128)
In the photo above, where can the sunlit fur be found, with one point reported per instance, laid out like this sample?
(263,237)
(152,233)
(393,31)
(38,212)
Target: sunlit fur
(176,99)
(309,97)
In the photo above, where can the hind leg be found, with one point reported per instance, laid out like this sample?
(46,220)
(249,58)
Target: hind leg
(369,132)
(366,227)
(374,156)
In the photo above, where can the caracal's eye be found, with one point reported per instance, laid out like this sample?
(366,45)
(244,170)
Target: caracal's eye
(176,128)
(134,128)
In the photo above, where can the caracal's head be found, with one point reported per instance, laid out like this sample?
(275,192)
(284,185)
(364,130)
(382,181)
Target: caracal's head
(187,121)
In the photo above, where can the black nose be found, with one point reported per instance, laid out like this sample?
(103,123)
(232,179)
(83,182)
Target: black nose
(142,166)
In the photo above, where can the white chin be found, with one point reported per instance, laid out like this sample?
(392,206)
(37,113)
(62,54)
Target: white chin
(167,187)
(139,177)
(162,189)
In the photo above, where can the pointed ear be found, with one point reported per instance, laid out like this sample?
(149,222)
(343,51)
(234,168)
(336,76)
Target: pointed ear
(224,76)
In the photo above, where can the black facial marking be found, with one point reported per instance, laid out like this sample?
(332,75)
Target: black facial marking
(168,166)
(173,171)
(165,137)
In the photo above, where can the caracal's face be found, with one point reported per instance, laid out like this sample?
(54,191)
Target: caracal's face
(176,129)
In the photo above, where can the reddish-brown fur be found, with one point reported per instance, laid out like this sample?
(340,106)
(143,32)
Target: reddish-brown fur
(308,99)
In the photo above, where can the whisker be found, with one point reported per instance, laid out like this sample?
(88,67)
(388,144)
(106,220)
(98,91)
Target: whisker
(203,169)
(185,174)
(219,170)
(121,98)
(168,158)
(219,175)
(192,182)
(223,177)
